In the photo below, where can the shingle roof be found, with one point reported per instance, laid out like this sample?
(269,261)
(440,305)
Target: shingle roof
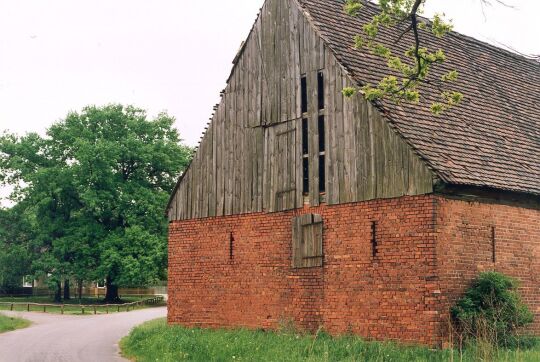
(492,139)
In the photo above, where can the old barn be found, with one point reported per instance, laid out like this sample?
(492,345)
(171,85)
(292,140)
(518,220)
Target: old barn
(304,206)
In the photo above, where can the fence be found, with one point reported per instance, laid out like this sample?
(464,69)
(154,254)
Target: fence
(95,307)
(127,292)
(86,292)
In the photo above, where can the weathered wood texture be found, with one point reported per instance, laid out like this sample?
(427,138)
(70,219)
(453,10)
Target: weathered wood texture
(250,158)
(307,241)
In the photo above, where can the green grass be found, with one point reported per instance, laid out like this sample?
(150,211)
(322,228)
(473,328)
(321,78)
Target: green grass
(71,306)
(155,341)
(10,324)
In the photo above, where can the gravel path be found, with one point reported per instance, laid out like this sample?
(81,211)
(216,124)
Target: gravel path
(59,338)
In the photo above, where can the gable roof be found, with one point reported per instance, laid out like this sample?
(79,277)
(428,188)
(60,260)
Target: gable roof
(492,139)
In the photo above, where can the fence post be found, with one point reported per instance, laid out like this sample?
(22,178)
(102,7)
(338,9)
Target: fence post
(82,307)
(107,309)
(11,308)
(62,309)
(118,308)
(28,307)
(44,308)
(94,309)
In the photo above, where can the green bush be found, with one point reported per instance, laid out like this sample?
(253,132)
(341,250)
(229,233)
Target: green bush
(491,310)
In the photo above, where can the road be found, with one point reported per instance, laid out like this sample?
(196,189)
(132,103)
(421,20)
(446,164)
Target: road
(63,338)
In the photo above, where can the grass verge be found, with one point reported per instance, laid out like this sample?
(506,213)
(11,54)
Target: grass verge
(155,341)
(10,324)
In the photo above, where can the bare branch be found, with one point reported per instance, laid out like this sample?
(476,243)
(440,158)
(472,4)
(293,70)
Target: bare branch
(500,2)
(535,57)
(407,29)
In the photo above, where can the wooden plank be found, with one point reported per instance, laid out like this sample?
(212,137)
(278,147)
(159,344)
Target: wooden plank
(291,165)
(260,167)
(220,153)
(299,199)
(338,119)
(332,191)
(302,25)
(283,55)
(172,215)
(266,170)
(362,149)
(349,159)
(372,179)
(212,179)
(313,136)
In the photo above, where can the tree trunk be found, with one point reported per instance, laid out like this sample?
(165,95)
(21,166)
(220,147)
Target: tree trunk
(80,290)
(58,292)
(112,292)
(67,295)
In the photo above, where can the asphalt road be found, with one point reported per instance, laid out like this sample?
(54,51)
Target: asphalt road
(63,338)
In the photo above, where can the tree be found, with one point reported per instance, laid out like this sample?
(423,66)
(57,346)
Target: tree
(100,181)
(410,69)
(16,249)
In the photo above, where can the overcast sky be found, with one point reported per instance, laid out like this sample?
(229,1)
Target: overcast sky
(163,55)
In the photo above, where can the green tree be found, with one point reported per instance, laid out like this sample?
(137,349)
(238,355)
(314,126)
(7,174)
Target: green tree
(16,249)
(99,183)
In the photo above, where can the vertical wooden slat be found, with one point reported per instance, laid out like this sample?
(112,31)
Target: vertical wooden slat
(338,119)
(299,202)
(332,196)
(349,157)
(313,135)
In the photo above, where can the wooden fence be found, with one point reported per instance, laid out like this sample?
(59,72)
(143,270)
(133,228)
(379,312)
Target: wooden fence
(86,291)
(94,307)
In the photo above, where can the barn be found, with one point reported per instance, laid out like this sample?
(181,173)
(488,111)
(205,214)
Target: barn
(303,206)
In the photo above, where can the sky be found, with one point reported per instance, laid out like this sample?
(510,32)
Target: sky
(164,55)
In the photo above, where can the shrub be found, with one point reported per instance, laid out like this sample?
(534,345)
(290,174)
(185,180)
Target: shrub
(491,310)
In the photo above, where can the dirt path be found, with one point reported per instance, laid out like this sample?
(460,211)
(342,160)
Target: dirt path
(59,338)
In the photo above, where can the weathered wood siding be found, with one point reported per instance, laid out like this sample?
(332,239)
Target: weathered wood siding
(250,157)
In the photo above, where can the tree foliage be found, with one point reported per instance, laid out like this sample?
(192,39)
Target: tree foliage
(16,247)
(408,70)
(98,184)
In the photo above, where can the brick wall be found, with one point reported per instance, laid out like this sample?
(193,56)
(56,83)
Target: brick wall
(429,249)
(391,296)
(465,246)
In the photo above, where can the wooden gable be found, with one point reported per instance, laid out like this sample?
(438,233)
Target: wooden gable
(250,158)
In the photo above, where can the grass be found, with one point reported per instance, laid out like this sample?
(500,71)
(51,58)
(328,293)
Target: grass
(155,341)
(10,324)
(71,306)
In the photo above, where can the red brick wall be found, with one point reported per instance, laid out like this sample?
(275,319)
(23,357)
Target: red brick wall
(429,249)
(464,247)
(393,296)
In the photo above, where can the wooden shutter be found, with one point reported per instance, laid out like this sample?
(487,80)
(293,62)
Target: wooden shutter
(307,248)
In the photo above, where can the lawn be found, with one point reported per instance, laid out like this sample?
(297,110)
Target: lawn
(70,306)
(10,324)
(155,341)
